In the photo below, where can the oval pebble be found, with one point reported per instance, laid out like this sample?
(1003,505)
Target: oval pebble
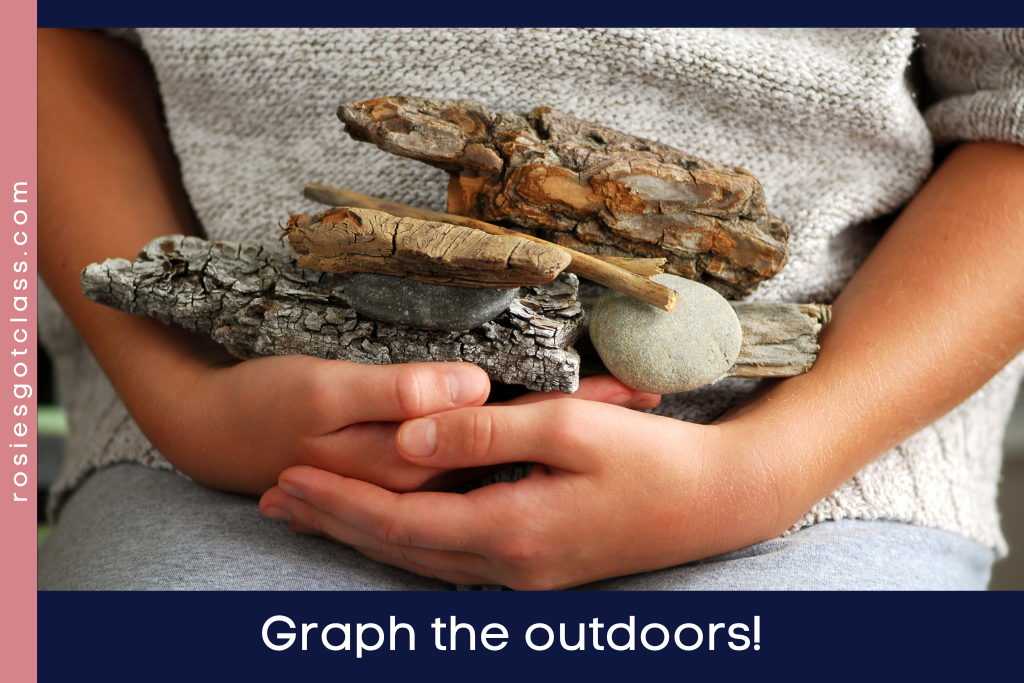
(652,350)
(418,304)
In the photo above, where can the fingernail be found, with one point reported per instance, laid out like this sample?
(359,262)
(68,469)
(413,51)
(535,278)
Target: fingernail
(465,385)
(290,489)
(277,513)
(418,438)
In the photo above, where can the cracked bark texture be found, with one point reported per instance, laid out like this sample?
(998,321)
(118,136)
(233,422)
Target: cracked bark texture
(586,186)
(256,301)
(345,240)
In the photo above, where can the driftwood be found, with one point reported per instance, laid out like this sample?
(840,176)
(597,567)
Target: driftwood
(626,275)
(256,301)
(346,240)
(779,340)
(335,196)
(585,186)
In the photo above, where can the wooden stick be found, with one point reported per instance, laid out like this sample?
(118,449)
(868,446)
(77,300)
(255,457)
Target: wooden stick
(644,267)
(584,265)
(356,240)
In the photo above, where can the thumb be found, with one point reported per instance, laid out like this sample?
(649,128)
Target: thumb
(558,433)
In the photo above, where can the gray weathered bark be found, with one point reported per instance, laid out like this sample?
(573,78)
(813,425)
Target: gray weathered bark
(257,302)
(779,340)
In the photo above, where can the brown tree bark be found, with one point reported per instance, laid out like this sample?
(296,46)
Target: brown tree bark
(347,240)
(627,275)
(586,186)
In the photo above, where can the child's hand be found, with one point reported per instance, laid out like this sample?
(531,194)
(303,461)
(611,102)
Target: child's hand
(237,426)
(616,492)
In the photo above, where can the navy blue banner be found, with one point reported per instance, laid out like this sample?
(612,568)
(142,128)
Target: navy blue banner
(74,13)
(628,636)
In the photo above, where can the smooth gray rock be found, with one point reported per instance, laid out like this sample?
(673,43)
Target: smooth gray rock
(418,304)
(651,350)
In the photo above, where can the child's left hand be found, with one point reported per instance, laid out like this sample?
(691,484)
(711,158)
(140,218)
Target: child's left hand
(602,473)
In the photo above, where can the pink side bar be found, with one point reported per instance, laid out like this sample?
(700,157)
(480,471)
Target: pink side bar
(18,332)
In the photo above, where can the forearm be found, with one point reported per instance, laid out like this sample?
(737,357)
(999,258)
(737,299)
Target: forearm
(108,185)
(934,313)
(106,169)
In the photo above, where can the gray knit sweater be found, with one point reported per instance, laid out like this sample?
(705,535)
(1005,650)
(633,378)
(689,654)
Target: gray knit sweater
(828,120)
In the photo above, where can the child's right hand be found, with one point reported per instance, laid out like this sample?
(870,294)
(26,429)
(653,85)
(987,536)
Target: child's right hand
(237,426)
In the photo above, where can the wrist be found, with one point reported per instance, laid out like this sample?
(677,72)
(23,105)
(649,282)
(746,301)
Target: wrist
(159,371)
(761,454)
(801,442)
(729,497)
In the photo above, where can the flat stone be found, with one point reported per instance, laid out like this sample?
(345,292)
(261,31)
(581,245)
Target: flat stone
(652,350)
(418,304)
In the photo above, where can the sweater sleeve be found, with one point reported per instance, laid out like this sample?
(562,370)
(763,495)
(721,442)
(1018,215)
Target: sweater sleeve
(978,77)
(129,35)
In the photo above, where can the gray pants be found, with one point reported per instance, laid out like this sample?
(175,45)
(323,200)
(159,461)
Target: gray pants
(133,528)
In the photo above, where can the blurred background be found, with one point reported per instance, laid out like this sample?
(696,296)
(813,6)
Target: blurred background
(1008,574)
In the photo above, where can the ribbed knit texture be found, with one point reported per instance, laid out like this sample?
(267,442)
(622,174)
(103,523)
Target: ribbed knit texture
(826,119)
(977,73)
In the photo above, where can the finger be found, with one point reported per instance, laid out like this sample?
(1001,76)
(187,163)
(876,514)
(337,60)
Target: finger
(366,451)
(450,576)
(442,521)
(306,531)
(600,388)
(435,572)
(303,515)
(394,393)
(562,433)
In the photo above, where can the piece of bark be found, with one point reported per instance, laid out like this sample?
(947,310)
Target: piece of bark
(601,270)
(586,186)
(335,196)
(257,301)
(779,340)
(347,240)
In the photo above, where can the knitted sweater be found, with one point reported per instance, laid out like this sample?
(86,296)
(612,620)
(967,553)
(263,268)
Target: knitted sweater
(829,121)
